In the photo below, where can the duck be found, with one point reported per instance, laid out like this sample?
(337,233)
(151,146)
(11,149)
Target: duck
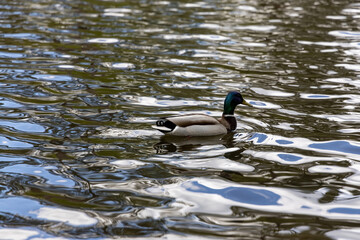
(202,125)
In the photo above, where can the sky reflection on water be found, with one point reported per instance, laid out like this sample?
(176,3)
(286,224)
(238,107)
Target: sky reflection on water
(193,193)
(82,81)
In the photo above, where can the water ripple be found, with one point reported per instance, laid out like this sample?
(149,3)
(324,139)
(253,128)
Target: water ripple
(82,82)
(214,192)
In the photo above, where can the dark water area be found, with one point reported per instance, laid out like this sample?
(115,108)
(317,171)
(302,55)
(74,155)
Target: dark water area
(81,83)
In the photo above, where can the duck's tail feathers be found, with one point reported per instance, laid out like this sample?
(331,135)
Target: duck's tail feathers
(164,126)
(162,129)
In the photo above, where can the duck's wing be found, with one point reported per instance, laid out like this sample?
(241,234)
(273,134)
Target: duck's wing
(193,119)
(190,125)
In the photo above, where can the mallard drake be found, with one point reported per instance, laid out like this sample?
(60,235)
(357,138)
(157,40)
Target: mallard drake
(198,125)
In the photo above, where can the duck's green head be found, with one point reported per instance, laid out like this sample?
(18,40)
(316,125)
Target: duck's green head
(232,100)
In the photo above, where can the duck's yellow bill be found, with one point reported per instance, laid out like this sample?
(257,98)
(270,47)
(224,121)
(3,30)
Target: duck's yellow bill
(246,103)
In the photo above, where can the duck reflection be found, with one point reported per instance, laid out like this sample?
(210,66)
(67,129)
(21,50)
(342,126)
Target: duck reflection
(179,144)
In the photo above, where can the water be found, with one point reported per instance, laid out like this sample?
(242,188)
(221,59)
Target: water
(82,82)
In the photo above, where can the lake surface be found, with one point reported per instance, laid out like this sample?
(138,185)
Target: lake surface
(83,81)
